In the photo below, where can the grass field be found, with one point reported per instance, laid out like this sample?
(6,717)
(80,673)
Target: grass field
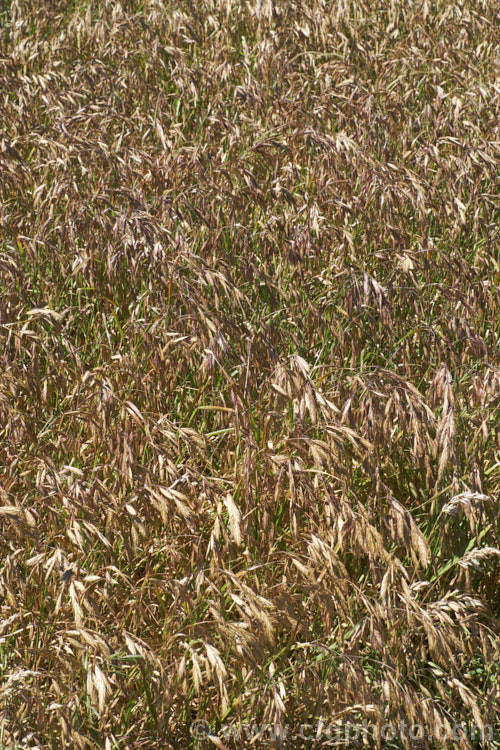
(250,373)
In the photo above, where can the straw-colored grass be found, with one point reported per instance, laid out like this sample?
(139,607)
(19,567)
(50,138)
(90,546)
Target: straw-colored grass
(250,372)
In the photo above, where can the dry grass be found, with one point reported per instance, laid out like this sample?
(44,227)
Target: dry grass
(250,372)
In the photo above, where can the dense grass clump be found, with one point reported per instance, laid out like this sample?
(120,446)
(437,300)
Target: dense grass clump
(250,373)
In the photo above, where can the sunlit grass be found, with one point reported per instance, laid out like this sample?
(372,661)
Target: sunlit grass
(249,395)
